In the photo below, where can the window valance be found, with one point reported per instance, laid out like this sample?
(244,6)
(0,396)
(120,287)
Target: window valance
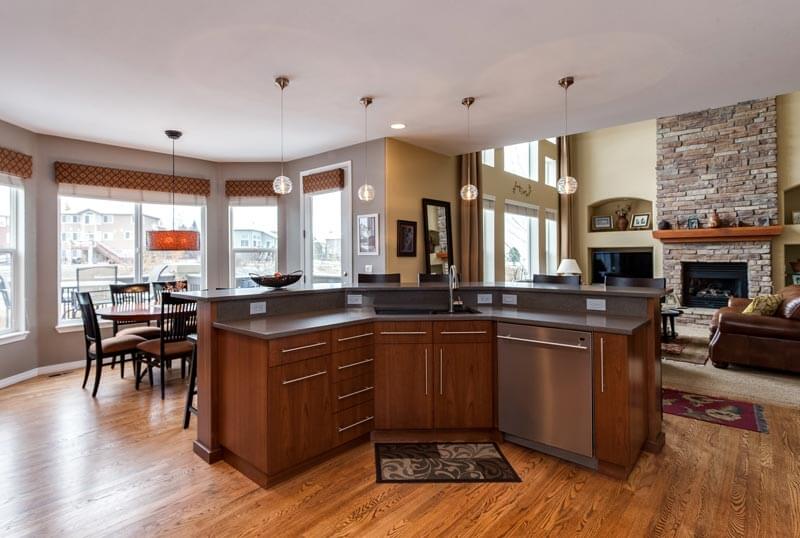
(15,163)
(324,181)
(101,176)
(249,188)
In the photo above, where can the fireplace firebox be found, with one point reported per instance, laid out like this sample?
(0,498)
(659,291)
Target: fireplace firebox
(710,285)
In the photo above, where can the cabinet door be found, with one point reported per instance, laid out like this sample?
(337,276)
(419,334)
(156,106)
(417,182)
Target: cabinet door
(300,412)
(611,414)
(403,386)
(463,385)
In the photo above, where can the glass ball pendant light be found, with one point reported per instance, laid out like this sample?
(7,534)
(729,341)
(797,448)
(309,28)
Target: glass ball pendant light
(566,184)
(469,191)
(282,184)
(366,192)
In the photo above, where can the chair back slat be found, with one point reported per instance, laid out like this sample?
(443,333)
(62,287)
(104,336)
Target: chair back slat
(129,293)
(178,318)
(91,328)
(163,286)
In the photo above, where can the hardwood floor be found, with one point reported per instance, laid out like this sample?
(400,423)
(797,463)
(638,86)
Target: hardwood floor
(122,465)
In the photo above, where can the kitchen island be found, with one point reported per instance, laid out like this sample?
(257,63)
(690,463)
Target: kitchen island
(287,378)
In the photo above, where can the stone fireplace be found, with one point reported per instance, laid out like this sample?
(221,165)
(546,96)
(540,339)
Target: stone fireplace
(722,159)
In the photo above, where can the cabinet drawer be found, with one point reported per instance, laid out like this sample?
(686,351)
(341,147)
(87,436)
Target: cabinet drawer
(352,337)
(354,391)
(301,371)
(403,332)
(354,422)
(462,332)
(299,347)
(352,363)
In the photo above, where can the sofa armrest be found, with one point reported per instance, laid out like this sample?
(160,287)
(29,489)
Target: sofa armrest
(738,303)
(759,326)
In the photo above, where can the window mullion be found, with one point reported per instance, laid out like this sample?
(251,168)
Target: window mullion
(138,238)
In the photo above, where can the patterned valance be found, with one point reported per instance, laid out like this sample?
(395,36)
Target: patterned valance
(15,163)
(324,181)
(249,188)
(100,176)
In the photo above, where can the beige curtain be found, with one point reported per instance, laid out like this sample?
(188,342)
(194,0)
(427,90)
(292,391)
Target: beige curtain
(566,228)
(470,267)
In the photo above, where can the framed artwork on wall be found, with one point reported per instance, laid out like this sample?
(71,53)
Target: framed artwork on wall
(693,223)
(641,221)
(368,234)
(406,238)
(601,223)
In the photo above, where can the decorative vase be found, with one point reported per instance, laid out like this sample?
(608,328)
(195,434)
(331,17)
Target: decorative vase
(665,225)
(795,266)
(713,220)
(622,222)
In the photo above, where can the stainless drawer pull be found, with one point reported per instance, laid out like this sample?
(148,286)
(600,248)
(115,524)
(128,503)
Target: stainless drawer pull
(353,425)
(404,332)
(359,363)
(462,332)
(545,342)
(309,346)
(602,364)
(346,338)
(365,389)
(295,380)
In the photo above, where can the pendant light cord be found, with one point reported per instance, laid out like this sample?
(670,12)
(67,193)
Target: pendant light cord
(282,131)
(365,142)
(173,184)
(566,111)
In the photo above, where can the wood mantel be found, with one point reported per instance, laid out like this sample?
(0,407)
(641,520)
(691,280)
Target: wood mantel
(718,235)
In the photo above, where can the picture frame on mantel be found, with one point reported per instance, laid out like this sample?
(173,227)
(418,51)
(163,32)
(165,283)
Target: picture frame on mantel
(602,222)
(368,233)
(406,239)
(641,221)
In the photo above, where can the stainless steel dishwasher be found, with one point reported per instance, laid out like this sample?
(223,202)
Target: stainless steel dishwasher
(545,390)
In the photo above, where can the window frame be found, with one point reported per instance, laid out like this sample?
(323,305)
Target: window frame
(533,160)
(16,252)
(233,250)
(534,255)
(485,157)
(489,260)
(547,161)
(550,215)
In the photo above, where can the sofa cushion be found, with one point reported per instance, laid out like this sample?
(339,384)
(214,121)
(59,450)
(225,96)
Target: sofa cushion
(790,308)
(764,305)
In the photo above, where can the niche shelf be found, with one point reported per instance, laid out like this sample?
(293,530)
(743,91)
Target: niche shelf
(791,205)
(606,208)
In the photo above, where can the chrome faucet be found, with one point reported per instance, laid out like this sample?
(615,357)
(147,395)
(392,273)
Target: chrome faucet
(452,282)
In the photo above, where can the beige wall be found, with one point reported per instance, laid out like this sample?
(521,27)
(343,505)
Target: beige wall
(618,162)
(788,109)
(500,184)
(414,173)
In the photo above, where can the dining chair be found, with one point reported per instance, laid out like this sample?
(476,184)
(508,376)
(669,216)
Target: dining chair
(98,349)
(178,321)
(162,286)
(427,277)
(375,278)
(131,294)
(570,280)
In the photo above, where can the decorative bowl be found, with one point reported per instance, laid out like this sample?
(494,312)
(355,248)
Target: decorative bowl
(272,281)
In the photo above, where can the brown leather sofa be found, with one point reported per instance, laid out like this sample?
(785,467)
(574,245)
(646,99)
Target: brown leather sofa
(752,340)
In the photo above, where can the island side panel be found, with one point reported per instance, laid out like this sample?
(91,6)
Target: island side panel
(655,435)
(207,444)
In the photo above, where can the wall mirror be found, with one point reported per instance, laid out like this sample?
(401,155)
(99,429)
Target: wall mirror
(439,251)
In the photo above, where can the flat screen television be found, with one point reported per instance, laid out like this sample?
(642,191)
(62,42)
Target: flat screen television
(627,263)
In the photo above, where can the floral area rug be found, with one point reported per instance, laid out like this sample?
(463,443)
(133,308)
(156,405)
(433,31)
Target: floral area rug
(442,462)
(743,415)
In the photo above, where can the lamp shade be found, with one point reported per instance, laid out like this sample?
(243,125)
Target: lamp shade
(568,266)
(173,240)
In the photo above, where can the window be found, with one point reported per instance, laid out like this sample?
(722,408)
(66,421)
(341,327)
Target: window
(521,241)
(11,271)
(553,140)
(257,226)
(551,240)
(522,160)
(487,157)
(550,173)
(488,239)
(90,260)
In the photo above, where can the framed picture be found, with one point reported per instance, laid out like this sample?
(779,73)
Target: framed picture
(762,221)
(406,238)
(601,223)
(693,223)
(368,234)
(795,217)
(796,278)
(641,221)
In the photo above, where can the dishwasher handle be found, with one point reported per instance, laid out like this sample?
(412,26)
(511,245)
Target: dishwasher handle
(542,342)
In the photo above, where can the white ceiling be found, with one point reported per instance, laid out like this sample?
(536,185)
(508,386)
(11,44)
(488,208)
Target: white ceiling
(121,74)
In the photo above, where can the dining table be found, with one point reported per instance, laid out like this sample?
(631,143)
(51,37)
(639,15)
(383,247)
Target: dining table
(130,312)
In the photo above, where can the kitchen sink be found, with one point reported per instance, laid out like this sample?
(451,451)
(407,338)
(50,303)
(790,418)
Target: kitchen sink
(423,311)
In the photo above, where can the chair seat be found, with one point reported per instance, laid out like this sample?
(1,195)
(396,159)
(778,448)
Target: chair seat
(148,333)
(171,349)
(118,344)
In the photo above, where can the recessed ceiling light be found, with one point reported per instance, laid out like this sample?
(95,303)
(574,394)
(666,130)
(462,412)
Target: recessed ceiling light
(398,125)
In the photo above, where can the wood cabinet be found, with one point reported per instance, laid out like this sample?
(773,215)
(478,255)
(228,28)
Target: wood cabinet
(619,400)
(464,382)
(403,386)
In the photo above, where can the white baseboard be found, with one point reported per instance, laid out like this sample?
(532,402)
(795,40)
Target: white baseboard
(43,370)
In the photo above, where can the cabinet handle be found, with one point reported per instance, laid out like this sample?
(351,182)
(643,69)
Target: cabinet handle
(602,364)
(365,389)
(426,371)
(309,346)
(359,363)
(404,332)
(346,338)
(545,342)
(296,379)
(353,425)
(462,332)
(441,383)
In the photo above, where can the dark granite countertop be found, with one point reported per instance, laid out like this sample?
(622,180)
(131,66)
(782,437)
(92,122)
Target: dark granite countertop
(270,327)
